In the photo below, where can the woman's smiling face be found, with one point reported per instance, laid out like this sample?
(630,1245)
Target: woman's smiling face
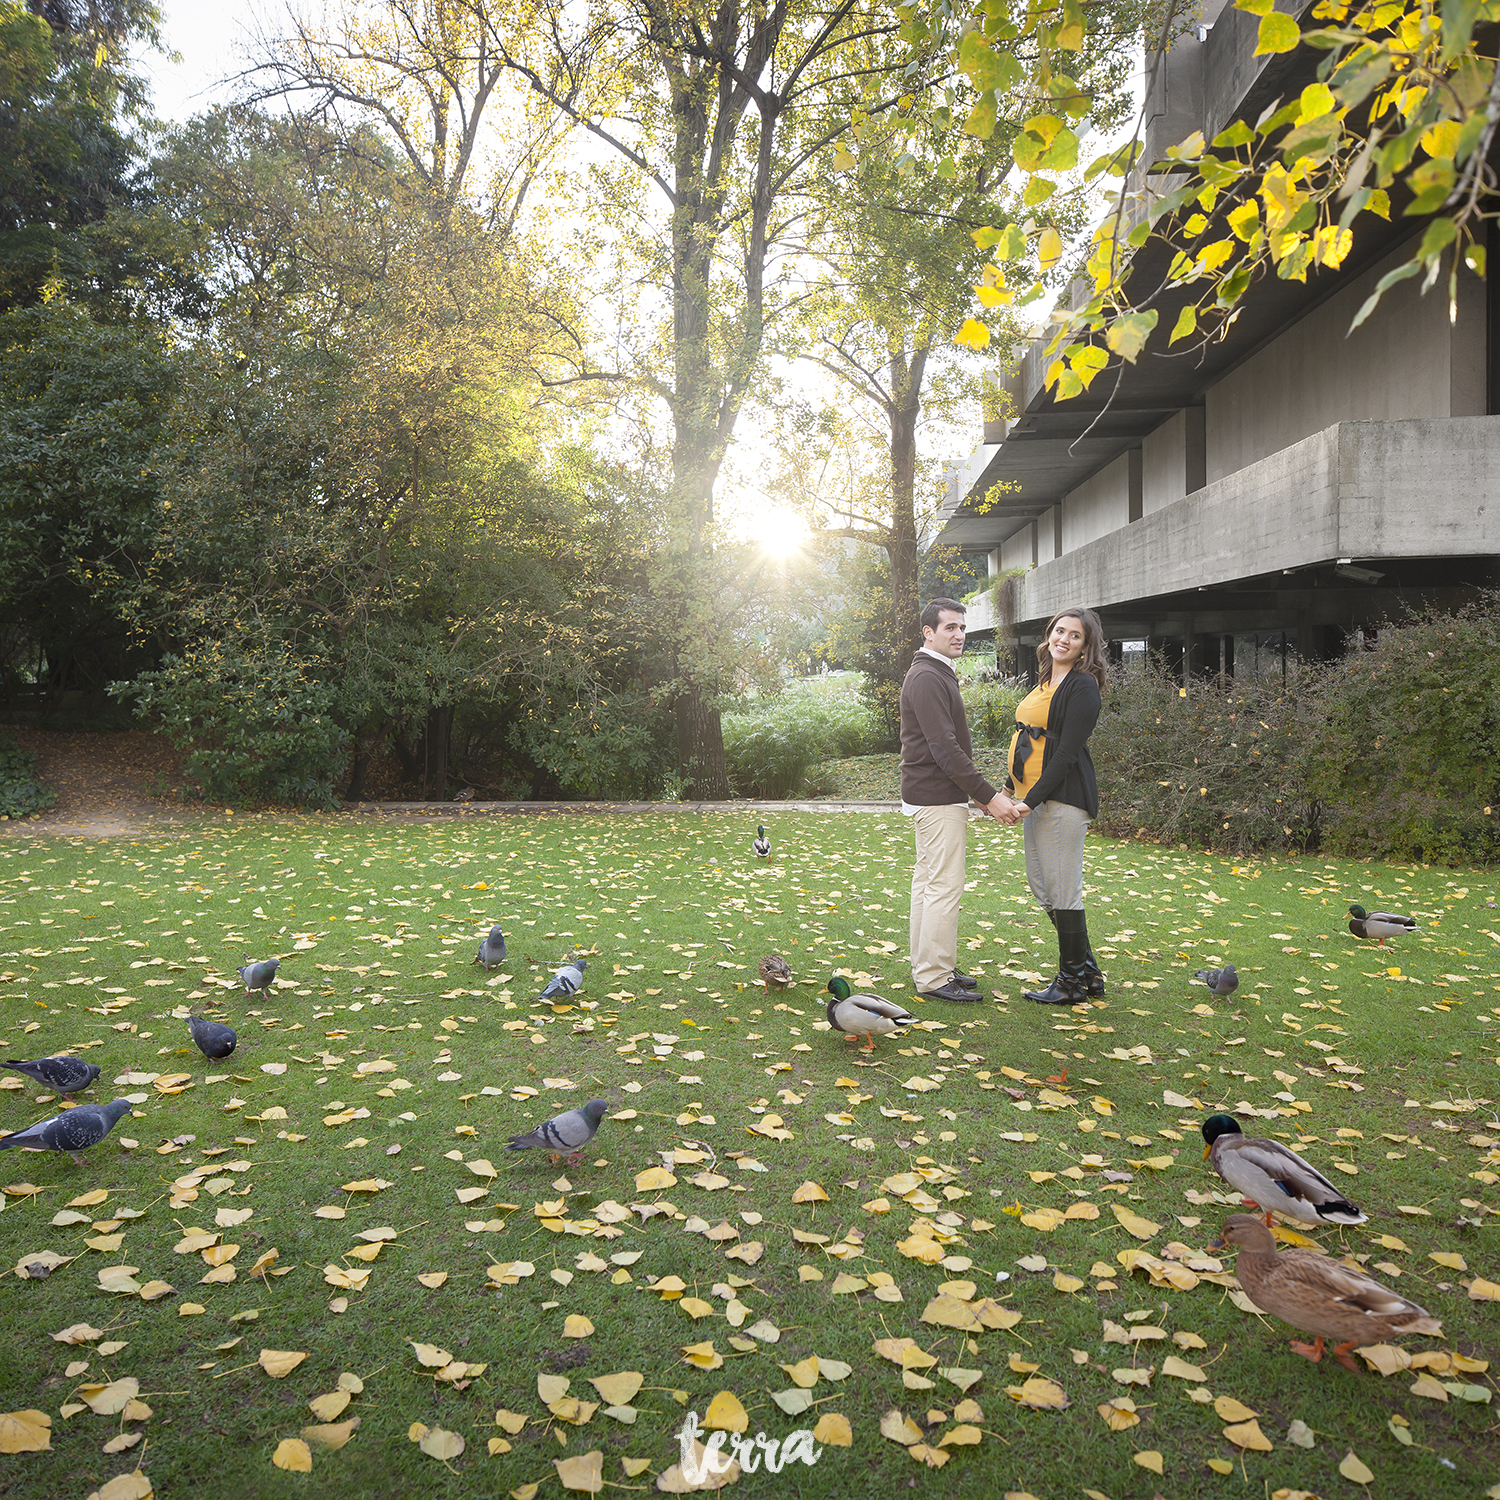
(1066,641)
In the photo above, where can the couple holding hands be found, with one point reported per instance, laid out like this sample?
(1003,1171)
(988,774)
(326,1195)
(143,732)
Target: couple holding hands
(1050,790)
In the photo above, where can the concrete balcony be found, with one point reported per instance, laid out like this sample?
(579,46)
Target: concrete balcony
(1360,492)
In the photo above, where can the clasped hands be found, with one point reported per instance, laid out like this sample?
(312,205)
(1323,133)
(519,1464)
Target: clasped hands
(1005,810)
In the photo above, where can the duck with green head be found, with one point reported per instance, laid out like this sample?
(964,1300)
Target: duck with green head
(1274,1178)
(863,1015)
(1379,924)
(760,845)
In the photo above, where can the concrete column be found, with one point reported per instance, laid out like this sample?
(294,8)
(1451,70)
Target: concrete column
(1136,476)
(1195,449)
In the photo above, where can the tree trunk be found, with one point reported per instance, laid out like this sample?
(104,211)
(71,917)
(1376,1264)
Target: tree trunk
(700,748)
(442,724)
(903,415)
(359,766)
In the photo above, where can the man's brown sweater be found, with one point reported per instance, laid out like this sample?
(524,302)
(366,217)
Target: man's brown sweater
(937,757)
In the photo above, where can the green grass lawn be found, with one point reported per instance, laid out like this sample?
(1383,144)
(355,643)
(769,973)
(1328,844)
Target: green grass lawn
(1381,1067)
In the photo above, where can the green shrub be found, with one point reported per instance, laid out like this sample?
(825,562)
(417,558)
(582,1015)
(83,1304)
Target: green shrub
(255,720)
(1391,753)
(1223,767)
(1406,760)
(21,793)
(990,705)
(770,744)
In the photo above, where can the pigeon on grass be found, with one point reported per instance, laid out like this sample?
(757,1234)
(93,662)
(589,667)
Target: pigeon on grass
(1223,982)
(212,1038)
(64,1075)
(259,976)
(564,1134)
(492,950)
(72,1131)
(567,981)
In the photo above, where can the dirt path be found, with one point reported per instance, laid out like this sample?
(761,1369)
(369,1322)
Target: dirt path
(100,781)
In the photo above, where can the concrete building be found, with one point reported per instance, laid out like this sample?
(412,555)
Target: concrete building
(1289,486)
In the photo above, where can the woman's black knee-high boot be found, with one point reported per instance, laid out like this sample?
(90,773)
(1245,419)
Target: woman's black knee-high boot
(1093,975)
(1072,943)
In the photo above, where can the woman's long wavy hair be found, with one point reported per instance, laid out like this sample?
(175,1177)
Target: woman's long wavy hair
(1093,661)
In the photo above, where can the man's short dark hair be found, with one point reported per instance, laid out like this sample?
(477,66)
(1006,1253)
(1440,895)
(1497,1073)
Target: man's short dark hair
(935,607)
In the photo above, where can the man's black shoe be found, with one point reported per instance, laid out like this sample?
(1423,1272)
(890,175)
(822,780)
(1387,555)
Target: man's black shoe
(951,991)
(968,981)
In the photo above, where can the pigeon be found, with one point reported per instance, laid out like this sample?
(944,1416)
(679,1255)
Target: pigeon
(1223,982)
(213,1038)
(66,1075)
(567,981)
(72,1131)
(1274,1177)
(492,949)
(259,976)
(760,845)
(866,1015)
(1379,924)
(564,1133)
(776,972)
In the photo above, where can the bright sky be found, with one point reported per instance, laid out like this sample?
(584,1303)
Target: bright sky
(206,36)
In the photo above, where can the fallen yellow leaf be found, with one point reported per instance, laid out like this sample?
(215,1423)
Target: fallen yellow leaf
(725,1413)
(294,1455)
(1248,1435)
(25,1432)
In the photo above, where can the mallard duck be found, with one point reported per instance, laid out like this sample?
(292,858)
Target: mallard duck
(863,1015)
(760,845)
(776,972)
(1320,1295)
(1379,924)
(1274,1178)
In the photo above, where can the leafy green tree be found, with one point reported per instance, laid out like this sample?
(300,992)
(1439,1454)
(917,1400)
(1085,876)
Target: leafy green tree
(717,117)
(67,157)
(83,411)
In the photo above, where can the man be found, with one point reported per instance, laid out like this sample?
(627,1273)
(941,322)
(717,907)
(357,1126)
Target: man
(938,776)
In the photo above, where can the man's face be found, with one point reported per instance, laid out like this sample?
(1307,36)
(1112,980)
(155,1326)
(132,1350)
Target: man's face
(948,637)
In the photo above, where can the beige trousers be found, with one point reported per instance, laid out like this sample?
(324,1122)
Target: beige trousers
(937,886)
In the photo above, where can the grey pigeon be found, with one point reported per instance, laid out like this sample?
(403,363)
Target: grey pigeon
(760,845)
(213,1038)
(259,976)
(67,1075)
(492,949)
(1222,982)
(567,981)
(74,1130)
(565,1133)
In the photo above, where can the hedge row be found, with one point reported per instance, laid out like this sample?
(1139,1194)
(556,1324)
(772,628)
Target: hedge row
(1392,752)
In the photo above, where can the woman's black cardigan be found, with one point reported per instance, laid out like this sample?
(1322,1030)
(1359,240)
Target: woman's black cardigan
(1067,769)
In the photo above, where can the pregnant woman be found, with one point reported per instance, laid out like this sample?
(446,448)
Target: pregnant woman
(1052,787)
